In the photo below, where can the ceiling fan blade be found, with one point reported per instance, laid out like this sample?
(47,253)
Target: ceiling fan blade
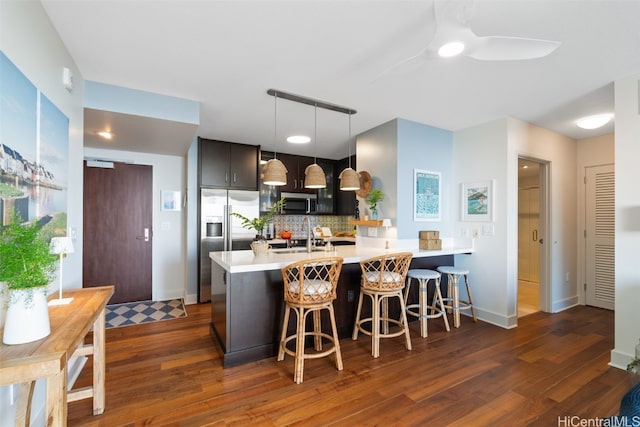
(418,57)
(497,48)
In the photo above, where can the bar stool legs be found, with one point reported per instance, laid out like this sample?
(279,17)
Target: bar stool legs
(437,308)
(453,294)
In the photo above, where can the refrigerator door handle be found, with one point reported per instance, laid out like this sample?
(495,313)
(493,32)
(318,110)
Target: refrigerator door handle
(228,243)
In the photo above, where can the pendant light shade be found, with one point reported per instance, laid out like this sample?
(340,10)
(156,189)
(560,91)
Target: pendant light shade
(275,173)
(314,175)
(349,180)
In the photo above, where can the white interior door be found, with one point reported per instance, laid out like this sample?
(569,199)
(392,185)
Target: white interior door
(600,236)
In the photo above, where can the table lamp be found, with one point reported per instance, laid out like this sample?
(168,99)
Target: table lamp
(61,246)
(386,223)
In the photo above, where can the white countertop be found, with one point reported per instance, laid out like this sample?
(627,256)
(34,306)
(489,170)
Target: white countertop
(246,261)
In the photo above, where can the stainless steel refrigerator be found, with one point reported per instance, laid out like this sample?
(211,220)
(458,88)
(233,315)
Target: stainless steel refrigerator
(221,231)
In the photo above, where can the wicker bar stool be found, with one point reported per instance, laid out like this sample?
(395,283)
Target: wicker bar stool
(424,276)
(453,294)
(383,278)
(309,287)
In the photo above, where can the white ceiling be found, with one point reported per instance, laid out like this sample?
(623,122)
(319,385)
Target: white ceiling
(226,54)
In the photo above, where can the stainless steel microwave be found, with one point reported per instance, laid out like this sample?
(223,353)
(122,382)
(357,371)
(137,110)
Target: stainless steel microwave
(299,203)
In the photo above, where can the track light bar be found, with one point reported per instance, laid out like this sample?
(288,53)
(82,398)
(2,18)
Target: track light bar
(309,101)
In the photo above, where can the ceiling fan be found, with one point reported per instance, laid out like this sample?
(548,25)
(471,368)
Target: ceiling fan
(453,36)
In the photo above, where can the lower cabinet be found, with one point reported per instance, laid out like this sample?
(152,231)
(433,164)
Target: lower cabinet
(247,309)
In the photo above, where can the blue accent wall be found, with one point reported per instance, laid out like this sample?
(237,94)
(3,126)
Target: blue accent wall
(425,147)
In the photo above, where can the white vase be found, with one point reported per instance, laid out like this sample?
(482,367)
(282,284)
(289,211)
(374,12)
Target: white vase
(27,317)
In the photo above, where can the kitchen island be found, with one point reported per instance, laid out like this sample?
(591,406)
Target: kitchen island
(247,303)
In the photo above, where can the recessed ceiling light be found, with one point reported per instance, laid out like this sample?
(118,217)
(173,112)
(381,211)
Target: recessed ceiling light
(594,122)
(298,139)
(105,134)
(450,49)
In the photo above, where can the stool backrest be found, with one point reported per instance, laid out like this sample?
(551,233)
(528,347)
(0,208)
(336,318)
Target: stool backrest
(311,281)
(386,272)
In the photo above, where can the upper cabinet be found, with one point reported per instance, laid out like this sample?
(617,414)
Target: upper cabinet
(345,200)
(228,165)
(296,166)
(326,203)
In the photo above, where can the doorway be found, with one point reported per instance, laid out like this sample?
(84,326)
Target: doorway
(531,225)
(117,209)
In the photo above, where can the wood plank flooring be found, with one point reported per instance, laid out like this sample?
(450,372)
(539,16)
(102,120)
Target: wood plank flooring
(552,365)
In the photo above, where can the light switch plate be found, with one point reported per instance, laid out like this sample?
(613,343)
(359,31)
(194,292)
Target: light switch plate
(373,232)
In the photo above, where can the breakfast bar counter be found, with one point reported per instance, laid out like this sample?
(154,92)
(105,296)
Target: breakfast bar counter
(247,297)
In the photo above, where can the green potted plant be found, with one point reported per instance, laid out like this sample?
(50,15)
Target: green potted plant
(258,224)
(373,198)
(26,268)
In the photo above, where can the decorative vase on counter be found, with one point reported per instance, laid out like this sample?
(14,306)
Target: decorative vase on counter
(260,247)
(374,214)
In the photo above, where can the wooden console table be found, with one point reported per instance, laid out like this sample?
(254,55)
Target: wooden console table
(47,358)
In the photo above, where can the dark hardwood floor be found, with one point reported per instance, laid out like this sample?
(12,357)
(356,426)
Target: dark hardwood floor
(551,367)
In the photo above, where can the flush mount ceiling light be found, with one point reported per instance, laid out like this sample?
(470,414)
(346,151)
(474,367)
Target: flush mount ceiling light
(105,134)
(314,175)
(349,178)
(274,172)
(298,139)
(450,49)
(594,122)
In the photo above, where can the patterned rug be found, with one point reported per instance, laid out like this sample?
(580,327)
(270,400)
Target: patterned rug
(134,313)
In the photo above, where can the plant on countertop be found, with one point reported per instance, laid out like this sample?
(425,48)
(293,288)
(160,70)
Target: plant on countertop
(25,261)
(258,224)
(375,196)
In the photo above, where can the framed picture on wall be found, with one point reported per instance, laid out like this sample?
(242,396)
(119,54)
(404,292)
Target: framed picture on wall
(477,201)
(426,195)
(170,201)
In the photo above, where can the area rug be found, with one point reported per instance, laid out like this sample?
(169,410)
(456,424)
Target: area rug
(134,313)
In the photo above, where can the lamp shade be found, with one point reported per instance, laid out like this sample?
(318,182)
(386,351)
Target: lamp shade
(386,222)
(314,177)
(349,180)
(61,245)
(275,173)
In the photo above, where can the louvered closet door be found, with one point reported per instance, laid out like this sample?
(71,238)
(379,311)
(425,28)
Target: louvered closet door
(600,248)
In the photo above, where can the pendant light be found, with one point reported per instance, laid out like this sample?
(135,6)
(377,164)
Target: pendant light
(314,175)
(349,178)
(274,172)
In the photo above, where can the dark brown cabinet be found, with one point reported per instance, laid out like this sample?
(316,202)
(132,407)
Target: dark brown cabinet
(296,166)
(345,201)
(228,165)
(326,204)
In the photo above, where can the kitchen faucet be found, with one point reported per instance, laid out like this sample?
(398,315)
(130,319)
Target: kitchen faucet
(309,233)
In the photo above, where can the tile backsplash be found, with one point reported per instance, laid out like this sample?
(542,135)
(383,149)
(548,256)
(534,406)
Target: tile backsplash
(295,224)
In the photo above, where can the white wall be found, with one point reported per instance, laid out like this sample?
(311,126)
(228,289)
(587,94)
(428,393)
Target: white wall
(490,151)
(169,228)
(596,151)
(627,154)
(561,234)
(32,44)
(480,153)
